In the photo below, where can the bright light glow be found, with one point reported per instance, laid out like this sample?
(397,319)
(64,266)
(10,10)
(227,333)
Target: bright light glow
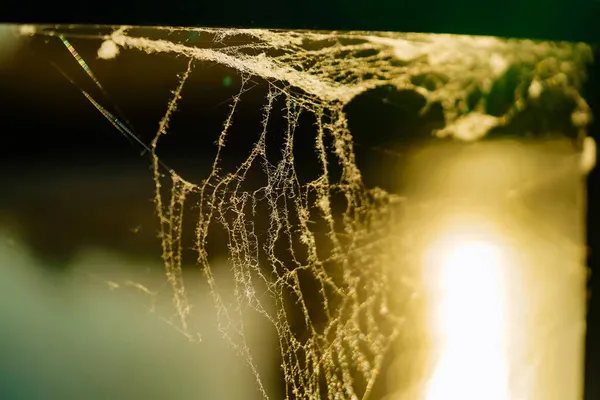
(468,321)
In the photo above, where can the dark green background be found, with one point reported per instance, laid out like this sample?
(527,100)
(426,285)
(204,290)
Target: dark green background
(544,19)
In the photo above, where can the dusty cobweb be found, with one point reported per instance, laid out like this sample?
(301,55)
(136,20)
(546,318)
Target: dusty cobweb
(332,241)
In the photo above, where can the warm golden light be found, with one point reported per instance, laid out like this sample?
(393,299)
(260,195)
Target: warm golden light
(469,321)
(497,233)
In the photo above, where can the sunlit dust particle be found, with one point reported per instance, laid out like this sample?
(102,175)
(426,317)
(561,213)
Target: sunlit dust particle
(28,30)
(108,50)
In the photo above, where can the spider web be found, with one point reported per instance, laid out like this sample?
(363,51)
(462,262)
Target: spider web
(332,249)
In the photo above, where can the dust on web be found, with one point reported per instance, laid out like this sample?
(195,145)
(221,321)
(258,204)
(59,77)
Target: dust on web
(352,262)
